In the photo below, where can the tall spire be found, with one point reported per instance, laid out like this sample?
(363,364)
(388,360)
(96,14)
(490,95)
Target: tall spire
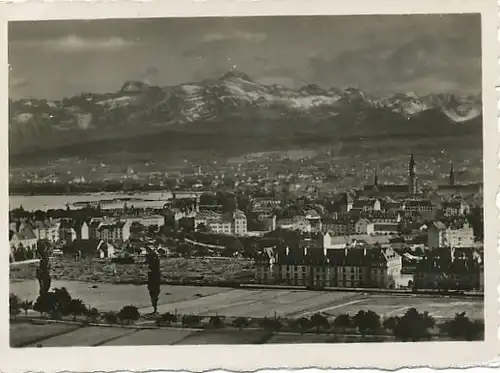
(412,162)
(375,179)
(412,176)
(452,175)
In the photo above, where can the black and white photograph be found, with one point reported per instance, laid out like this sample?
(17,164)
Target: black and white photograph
(253,180)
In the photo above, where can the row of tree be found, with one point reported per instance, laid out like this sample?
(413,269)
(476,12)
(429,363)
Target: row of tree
(22,253)
(59,303)
(412,326)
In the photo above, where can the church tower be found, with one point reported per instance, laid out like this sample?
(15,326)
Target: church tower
(412,174)
(452,175)
(375,178)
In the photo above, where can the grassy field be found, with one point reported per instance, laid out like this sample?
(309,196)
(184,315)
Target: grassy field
(226,337)
(22,334)
(57,335)
(195,270)
(298,303)
(86,336)
(151,337)
(322,338)
(112,297)
(208,301)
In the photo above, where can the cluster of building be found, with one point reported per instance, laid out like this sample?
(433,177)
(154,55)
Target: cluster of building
(355,246)
(450,268)
(25,234)
(349,241)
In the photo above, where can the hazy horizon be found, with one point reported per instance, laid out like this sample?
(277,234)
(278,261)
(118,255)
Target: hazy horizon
(381,55)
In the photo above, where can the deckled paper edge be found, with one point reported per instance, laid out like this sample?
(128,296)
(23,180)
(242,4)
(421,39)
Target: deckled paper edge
(87,359)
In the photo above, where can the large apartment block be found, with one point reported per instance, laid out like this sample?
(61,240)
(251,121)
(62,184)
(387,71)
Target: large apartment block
(361,267)
(451,268)
(110,230)
(227,223)
(454,234)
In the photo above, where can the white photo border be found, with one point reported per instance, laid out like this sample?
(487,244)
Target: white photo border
(253,357)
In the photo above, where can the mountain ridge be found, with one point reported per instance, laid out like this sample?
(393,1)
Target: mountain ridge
(233,105)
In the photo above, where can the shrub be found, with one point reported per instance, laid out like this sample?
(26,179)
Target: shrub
(391,322)
(241,322)
(166,319)
(14,305)
(413,326)
(62,300)
(123,260)
(111,317)
(216,322)
(270,324)
(367,322)
(76,307)
(191,320)
(129,314)
(302,324)
(462,328)
(26,306)
(92,314)
(342,321)
(45,304)
(319,321)
(55,315)
(56,302)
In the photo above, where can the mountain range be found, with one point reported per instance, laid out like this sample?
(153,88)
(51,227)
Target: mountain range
(228,112)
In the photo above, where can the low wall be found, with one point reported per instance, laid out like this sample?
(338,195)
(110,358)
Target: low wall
(13,264)
(217,247)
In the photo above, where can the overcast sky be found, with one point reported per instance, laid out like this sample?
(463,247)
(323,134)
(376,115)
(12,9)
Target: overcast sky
(379,54)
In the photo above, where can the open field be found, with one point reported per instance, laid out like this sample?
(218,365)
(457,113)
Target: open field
(22,334)
(71,335)
(206,301)
(151,337)
(85,336)
(111,297)
(279,338)
(226,337)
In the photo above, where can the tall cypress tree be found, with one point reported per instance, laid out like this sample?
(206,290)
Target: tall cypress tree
(43,270)
(154,278)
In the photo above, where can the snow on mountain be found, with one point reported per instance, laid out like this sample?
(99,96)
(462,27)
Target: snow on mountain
(113,103)
(462,113)
(233,95)
(455,107)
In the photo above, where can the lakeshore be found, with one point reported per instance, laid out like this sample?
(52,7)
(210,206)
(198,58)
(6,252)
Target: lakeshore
(61,201)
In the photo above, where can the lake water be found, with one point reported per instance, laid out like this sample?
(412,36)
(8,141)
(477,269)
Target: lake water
(47,202)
